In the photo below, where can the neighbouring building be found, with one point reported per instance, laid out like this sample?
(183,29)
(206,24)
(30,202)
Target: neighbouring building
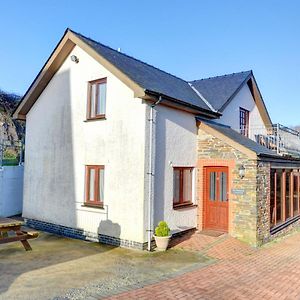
(114,145)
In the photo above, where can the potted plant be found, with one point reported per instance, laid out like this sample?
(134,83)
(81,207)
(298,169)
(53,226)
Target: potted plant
(162,236)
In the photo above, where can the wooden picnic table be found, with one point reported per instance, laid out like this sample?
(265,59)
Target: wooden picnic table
(10,231)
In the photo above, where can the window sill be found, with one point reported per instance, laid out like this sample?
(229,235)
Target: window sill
(283,225)
(183,205)
(97,206)
(103,117)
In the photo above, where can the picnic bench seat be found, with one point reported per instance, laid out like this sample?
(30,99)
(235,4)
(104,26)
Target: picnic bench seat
(10,231)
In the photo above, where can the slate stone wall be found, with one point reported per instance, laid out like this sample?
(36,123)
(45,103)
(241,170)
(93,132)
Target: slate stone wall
(263,202)
(83,235)
(243,210)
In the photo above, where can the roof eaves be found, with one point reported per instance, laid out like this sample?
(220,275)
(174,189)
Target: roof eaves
(66,32)
(211,114)
(261,98)
(41,70)
(269,155)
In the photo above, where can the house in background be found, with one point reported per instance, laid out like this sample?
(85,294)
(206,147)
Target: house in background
(114,145)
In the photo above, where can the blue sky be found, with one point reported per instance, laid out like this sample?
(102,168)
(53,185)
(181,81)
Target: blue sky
(190,39)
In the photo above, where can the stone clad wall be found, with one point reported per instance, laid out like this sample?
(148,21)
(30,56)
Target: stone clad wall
(263,202)
(242,208)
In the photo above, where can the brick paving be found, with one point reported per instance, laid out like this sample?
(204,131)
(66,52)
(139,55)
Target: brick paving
(240,272)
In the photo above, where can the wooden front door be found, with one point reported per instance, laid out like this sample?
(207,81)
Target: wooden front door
(216,198)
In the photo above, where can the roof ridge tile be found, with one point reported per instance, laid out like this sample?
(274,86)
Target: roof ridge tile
(220,76)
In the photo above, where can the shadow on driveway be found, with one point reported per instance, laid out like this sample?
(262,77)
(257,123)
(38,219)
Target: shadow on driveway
(65,268)
(48,250)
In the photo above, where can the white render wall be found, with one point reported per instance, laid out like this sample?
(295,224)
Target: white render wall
(11,190)
(59,143)
(176,145)
(231,114)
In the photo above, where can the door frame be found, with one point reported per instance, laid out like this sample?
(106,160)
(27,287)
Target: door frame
(206,197)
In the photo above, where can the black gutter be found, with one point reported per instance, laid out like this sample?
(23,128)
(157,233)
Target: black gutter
(279,159)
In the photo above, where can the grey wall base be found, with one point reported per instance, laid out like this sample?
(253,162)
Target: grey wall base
(83,235)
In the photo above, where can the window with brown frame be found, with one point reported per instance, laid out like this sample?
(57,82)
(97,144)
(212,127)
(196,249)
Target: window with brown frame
(244,121)
(284,195)
(96,99)
(94,185)
(182,186)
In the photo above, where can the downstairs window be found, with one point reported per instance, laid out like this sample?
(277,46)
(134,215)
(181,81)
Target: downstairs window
(182,186)
(94,185)
(284,196)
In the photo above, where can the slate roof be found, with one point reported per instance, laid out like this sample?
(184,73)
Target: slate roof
(219,90)
(241,139)
(148,77)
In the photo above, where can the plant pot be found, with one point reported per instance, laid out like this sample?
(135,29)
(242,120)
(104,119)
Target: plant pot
(162,242)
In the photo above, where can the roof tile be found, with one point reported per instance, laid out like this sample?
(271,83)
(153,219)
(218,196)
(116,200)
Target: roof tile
(218,90)
(148,77)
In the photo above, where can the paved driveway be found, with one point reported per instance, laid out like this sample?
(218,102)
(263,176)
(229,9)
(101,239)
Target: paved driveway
(271,272)
(62,268)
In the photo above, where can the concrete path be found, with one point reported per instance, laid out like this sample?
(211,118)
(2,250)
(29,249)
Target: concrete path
(61,268)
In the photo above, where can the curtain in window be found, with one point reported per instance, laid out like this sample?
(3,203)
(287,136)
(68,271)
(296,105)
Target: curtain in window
(176,186)
(101,99)
(187,185)
(101,185)
(92,185)
(93,97)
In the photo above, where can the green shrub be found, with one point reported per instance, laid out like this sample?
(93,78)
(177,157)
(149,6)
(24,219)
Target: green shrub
(9,154)
(162,229)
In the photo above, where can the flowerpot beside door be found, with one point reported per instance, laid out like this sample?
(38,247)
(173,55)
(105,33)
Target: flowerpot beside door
(162,236)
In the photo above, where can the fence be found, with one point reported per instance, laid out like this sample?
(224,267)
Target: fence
(11,190)
(279,138)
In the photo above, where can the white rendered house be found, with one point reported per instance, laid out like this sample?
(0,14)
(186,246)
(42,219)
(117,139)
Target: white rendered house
(112,144)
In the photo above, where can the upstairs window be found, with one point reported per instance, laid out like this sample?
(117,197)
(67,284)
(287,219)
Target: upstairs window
(96,99)
(182,186)
(94,185)
(244,121)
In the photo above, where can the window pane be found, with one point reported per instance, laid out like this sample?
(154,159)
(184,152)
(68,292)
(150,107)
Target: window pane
(244,118)
(93,98)
(278,196)
(92,185)
(287,195)
(176,186)
(101,185)
(213,186)
(295,194)
(272,198)
(223,186)
(187,185)
(101,98)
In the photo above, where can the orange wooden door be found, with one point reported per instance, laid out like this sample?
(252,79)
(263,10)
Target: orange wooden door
(216,198)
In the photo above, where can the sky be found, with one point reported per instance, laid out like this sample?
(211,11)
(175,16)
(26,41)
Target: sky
(192,39)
